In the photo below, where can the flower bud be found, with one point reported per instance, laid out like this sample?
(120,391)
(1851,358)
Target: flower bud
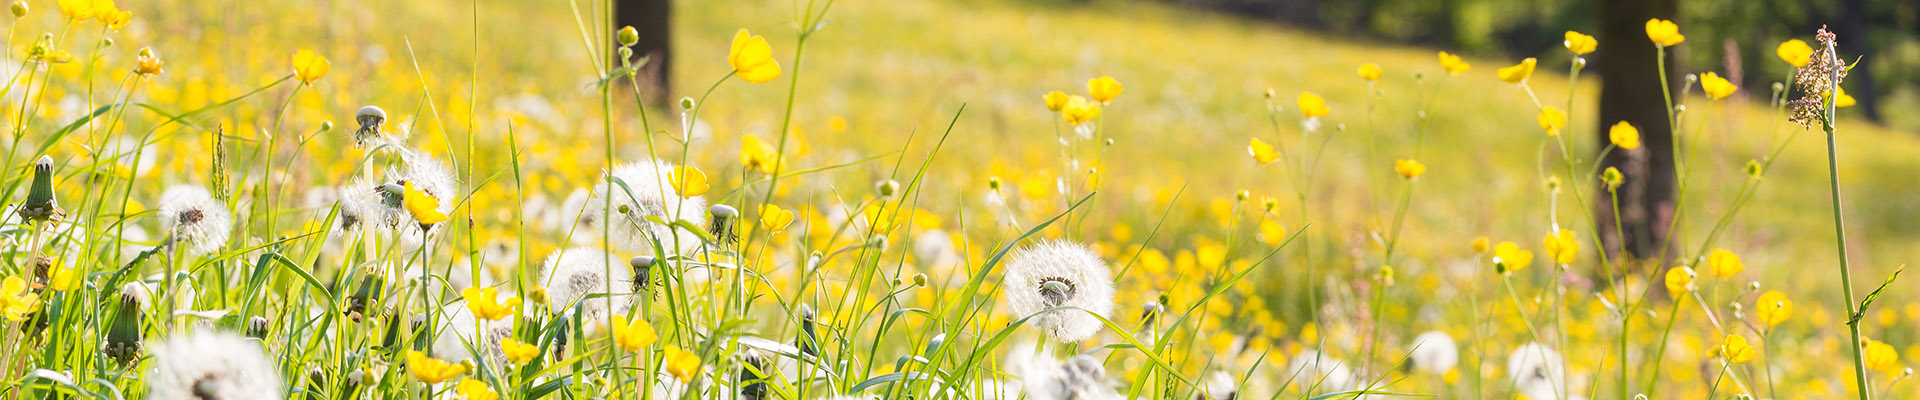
(627,36)
(19,8)
(887,187)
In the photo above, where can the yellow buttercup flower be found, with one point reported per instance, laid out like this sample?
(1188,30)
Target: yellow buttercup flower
(1664,33)
(1881,356)
(688,181)
(1518,72)
(1055,100)
(518,352)
(1508,257)
(110,14)
(1480,244)
(1104,89)
(1795,52)
(1552,120)
(1079,110)
(1679,280)
(1716,87)
(1271,233)
(1562,246)
(430,370)
(16,302)
(309,66)
(1736,349)
(1370,71)
(424,207)
(78,10)
(1724,264)
(759,155)
(1613,178)
(1580,43)
(1262,152)
(484,305)
(681,363)
(1624,135)
(1409,168)
(1841,99)
(474,389)
(148,63)
(1313,106)
(1453,64)
(752,58)
(63,280)
(632,336)
(775,219)
(1773,308)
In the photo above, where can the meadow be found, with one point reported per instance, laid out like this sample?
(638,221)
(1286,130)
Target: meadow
(1042,200)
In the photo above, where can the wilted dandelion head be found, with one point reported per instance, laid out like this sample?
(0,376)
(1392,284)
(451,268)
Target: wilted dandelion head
(371,119)
(199,223)
(639,190)
(1536,371)
(1323,373)
(572,274)
(212,365)
(1055,274)
(1434,352)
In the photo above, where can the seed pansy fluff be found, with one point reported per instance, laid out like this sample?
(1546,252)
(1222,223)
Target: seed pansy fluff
(198,223)
(211,365)
(1054,274)
(643,192)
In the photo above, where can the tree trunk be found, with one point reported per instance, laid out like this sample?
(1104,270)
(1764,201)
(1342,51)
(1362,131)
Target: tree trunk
(650,19)
(1630,91)
(1853,43)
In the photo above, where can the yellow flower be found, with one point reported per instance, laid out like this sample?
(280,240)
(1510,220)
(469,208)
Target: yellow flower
(1664,33)
(1724,264)
(759,155)
(775,219)
(484,305)
(1508,257)
(1624,135)
(688,181)
(148,63)
(1313,106)
(1370,71)
(1580,43)
(1480,244)
(1453,64)
(15,301)
(1262,152)
(632,336)
(308,66)
(110,14)
(1795,52)
(1552,120)
(1104,89)
(1409,168)
(1271,232)
(474,389)
(752,58)
(78,10)
(1716,87)
(1841,99)
(1518,72)
(1562,246)
(519,353)
(63,280)
(1613,178)
(430,370)
(424,207)
(1736,349)
(1679,280)
(1055,101)
(1773,308)
(1079,110)
(1881,356)
(681,363)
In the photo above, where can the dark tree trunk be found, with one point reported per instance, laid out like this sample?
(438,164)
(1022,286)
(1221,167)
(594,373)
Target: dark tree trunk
(1630,91)
(650,19)
(1853,43)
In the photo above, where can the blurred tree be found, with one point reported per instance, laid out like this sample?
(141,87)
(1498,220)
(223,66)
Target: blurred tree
(650,18)
(1630,91)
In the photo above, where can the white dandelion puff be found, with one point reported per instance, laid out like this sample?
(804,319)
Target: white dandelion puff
(642,192)
(197,222)
(212,365)
(1323,373)
(1055,274)
(458,331)
(572,274)
(1219,385)
(362,205)
(429,175)
(1079,378)
(1536,371)
(1434,352)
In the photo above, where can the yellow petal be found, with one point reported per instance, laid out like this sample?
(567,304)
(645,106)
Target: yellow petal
(1262,152)
(688,181)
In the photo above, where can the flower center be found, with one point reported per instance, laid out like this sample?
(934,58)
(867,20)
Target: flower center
(1056,290)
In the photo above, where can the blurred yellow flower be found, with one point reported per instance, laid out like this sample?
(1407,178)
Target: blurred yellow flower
(1562,246)
(485,305)
(63,280)
(1580,43)
(634,335)
(110,14)
(519,353)
(1104,89)
(1508,257)
(16,302)
(1795,52)
(1518,72)
(147,62)
(474,389)
(1055,100)
(1453,64)
(1841,99)
(1271,233)
(1679,280)
(78,10)
(752,58)
(1624,135)
(1724,264)
(1773,308)
(1664,33)
(1716,87)
(688,181)
(1613,178)
(1409,168)
(1370,71)
(759,155)
(1262,152)
(775,219)
(1480,244)
(308,66)
(1313,106)
(1881,356)
(430,370)
(1079,110)
(1736,349)
(1552,120)
(424,207)
(681,363)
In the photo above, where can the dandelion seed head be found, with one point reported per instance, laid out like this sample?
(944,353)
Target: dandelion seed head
(1219,385)
(198,222)
(1079,378)
(1053,274)
(212,365)
(645,193)
(1325,374)
(1535,371)
(457,331)
(572,274)
(1434,352)
(362,206)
